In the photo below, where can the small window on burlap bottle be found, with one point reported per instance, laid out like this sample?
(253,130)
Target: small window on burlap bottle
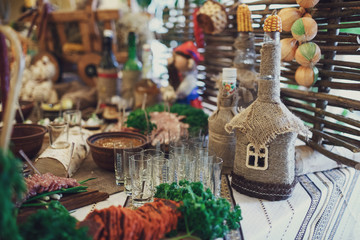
(245,57)
(264,165)
(222,143)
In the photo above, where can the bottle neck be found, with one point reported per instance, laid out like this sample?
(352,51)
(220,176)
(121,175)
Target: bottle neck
(132,52)
(107,44)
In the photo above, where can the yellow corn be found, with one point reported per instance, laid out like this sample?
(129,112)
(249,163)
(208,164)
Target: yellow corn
(273,24)
(243,17)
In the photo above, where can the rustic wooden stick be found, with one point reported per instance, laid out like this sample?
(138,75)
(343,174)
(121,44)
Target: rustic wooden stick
(338,4)
(345,138)
(339,142)
(340,63)
(339,26)
(15,86)
(338,117)
(339,101)
(337,85)
(333,126)
(324,151)
(329,14)
(340,75)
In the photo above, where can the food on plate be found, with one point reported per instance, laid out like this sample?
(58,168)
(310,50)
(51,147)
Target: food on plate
(196,118)
(168,127)
(151,221)
(125,142)
(47,182)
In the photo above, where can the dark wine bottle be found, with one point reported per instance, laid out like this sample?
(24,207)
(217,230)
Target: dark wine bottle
(107,82)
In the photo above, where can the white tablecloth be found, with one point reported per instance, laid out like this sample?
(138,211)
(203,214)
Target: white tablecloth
(324,205)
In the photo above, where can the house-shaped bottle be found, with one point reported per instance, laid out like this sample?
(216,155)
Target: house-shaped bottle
(264,164)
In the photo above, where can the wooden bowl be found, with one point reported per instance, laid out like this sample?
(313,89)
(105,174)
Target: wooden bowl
(26,108)
(104,156)
(27,137)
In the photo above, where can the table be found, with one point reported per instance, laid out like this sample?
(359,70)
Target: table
(324,205)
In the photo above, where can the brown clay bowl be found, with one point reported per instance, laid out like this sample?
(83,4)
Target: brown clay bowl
(27,137)
(26,108)
(104,156)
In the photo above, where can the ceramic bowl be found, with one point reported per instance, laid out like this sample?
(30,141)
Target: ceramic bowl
(104,156)
(27,137)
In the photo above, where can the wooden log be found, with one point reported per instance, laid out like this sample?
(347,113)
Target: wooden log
(324,151)
(338,117)
(58,162)
(336,141)
(336,100)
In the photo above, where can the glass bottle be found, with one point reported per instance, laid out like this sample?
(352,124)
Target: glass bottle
(131,71)
(107,71)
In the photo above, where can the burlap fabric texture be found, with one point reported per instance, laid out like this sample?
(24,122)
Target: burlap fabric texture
(221,142)
(266,122)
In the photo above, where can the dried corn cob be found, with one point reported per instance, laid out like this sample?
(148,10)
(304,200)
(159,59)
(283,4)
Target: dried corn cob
(273,23)
(243,18)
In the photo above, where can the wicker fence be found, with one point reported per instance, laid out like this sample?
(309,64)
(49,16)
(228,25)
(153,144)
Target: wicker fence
(337,89)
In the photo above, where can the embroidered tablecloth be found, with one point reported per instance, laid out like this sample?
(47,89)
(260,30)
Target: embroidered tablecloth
(324,205)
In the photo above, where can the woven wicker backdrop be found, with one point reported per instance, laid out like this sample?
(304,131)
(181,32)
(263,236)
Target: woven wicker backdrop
(332,106)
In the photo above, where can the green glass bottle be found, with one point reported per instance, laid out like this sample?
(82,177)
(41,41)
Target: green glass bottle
(131,71)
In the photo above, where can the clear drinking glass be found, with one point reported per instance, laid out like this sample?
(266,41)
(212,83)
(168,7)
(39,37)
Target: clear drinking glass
(141,179)
(59,135)
(127,153)
(118,163)
(184,166)
(160,170)
(216,167)
(73,118)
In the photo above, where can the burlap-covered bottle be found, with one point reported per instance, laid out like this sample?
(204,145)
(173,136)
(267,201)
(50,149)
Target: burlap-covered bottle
(222,143)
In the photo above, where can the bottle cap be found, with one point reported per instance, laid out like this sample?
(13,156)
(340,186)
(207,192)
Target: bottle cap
(229,73)
(108,33)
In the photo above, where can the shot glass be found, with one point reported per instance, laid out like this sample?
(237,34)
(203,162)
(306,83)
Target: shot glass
(73,118)
(216,167)
(118,163)
(127,153)
(59,135)
(184,166)
(160,170)
(141,179)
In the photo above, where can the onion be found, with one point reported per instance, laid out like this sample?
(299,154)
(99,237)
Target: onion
(289,16)
(304,29)
(306,76)
(288,49)
(307,3)
(308,54)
